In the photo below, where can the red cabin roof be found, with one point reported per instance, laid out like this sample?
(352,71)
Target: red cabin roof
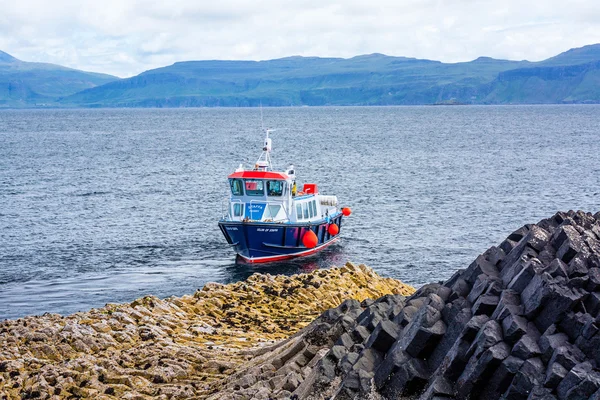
(259,175)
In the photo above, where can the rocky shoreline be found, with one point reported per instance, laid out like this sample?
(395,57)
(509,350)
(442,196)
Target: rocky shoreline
(176,348)
(520,322)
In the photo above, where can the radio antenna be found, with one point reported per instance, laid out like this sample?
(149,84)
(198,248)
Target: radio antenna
(262,124)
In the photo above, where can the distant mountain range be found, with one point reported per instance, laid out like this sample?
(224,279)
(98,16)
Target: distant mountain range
(374,79)
(28,84)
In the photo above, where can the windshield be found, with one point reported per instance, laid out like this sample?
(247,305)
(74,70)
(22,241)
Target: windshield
(255,187)
(275,188)
(236,187)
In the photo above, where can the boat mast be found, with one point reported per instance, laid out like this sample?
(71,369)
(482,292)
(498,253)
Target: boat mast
(264,161)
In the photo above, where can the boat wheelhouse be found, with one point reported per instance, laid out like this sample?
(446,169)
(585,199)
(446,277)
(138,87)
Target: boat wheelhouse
(267,219)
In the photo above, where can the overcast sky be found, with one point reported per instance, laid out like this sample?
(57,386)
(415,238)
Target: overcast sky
(126,37)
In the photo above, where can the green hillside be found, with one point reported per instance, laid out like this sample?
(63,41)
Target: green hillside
(374,79)
(26,84)
(362,80)
(546,85)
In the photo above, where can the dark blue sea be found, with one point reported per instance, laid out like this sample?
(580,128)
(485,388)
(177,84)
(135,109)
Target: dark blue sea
(101,206)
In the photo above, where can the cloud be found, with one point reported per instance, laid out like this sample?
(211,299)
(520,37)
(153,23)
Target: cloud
(124,37)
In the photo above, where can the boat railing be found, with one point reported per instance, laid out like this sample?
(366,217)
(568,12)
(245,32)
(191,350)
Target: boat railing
(227,204)
(267,204)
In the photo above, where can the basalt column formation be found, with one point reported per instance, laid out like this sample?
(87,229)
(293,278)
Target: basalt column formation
(521,322)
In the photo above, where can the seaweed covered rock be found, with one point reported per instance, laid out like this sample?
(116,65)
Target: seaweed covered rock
(520,322)
(183,347)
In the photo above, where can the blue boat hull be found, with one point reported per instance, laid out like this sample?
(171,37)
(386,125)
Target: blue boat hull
(258,242)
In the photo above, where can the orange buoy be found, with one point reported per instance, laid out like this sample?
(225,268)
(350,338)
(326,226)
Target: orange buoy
(346,211)
(333,229)
(310,239)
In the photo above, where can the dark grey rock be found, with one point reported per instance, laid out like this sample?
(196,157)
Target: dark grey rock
(537,238)
(416,336)
(514,326)
(436,301)
(541,393)
(592,303)
(547,255)
(519,234)
(345,340)
(456,360)
(530,375)
(594,281)
(549,342)
(368,360)
(559,301)
(405,316)
(394,359)
(424,339)
(554,375)
(521,280)
(567,355)
(348,361)
(409,380)
(473,327)
(478,267)
(573,324)
(495,255)
(461,288)
(425,291)
(502,378)
(506,246)
(479,287)
(444,293)
(535,294)
(360,334)
(571,245)
(439,387)
(457,275)
(557,268)
(488,336)
(590,329)
(577,267)
(384,336)
(479,370)
(337,353)
(510,303)
(485,304)
(567,388)
(456,319)
(526,347)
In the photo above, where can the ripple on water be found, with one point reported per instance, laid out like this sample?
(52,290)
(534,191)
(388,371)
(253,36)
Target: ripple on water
(101,206)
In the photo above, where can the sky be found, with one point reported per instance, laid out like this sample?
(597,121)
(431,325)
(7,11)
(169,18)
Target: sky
(126,37)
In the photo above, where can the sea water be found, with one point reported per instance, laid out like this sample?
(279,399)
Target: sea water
(109,205)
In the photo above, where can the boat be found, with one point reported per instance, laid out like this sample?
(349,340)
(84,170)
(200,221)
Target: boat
(267,219)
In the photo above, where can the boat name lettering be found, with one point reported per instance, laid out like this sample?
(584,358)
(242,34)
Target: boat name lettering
(231,228)
(267,229)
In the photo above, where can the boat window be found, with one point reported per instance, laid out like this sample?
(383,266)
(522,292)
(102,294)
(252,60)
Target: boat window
(236,187)
(305,209)
(299,211)
(314,207)
(238,209)
(275,188)
(255,187)
(310,210)
(273,211)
